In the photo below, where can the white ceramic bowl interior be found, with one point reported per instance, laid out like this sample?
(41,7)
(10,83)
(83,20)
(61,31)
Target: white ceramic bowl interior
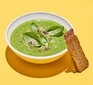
(31,16)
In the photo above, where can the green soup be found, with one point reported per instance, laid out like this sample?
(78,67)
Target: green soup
(39,37)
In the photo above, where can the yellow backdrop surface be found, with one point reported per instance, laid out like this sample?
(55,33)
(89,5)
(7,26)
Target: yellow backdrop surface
(78,12)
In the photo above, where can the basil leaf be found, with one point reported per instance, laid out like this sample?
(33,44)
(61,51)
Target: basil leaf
(31,41)
(38,37)
(33,35)
(56,31)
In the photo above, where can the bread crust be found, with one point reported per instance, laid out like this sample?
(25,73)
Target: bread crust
(76,52)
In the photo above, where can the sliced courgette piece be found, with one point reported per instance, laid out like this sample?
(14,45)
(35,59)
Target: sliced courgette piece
(43,31)
(43,39)
(34,27)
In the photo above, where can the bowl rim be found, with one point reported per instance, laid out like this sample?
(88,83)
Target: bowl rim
(30,56)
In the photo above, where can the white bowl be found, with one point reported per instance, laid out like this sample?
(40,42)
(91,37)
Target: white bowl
(31,16)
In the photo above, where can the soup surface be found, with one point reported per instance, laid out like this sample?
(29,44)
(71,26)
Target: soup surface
(39,37)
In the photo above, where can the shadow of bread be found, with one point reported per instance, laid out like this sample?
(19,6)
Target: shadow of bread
(38,70)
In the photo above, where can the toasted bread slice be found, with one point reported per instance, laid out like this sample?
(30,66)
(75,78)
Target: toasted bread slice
(75,50)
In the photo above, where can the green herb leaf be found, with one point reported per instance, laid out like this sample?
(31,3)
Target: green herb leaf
(33,35)
(56,31)
(32,39)
(38,37)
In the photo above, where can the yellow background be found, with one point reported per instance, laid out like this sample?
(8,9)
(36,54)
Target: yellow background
(78,12)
